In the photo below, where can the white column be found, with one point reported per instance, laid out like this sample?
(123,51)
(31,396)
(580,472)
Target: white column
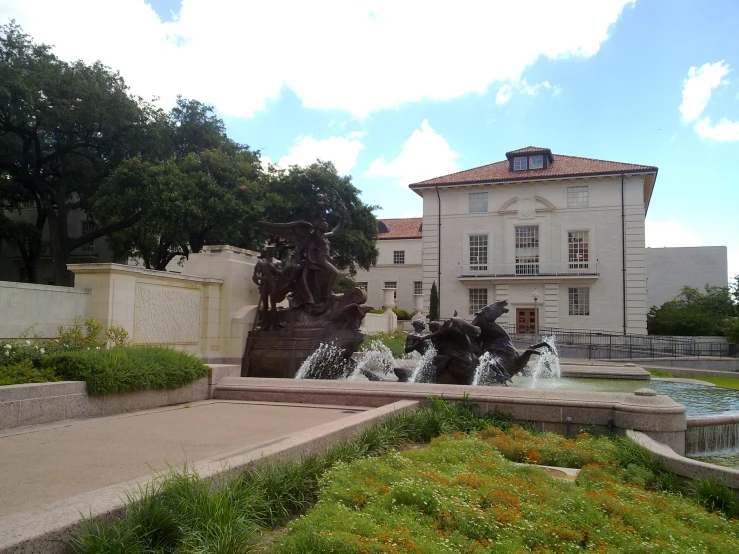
(388,298)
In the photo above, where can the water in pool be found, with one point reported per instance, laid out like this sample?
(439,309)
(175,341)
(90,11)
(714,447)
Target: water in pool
(699,400)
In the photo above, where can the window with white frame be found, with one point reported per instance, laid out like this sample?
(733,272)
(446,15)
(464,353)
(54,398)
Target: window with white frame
(478,202)
(536,162)
(392,285)
(399,257)
(579,301)
(577,249)
(417,287)
(478,252)
(577,197)
(87,227)
(362,285)
(478,300)
(527,250)
(520,163)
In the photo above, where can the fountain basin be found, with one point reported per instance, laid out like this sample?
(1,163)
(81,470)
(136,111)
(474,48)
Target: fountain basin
(559,410)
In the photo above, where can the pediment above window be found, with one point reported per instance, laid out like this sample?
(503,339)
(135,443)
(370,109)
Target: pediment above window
(526,206)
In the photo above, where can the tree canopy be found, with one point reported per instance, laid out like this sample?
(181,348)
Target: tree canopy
(63,127)
(157,184)
(292,194)
(694,313)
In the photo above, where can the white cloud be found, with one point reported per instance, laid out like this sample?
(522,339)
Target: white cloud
(670,233)
(424,155)
(698,87)
(343,152)
(697,91)
(356,56)
(723,130)
(505,93)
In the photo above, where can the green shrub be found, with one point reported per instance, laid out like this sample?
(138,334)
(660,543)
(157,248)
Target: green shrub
(395,341)
(377,311)
(402,314)
(24,371)
(127,369)
(732,330)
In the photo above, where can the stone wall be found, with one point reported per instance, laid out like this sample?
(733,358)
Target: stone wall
(206,305)
(42,308)
(671,269)
(379,323)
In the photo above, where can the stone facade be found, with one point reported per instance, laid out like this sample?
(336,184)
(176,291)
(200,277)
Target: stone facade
(585,219)
(671,269)
(11,262)
(404,275)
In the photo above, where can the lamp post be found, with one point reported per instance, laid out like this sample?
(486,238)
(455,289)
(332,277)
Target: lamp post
(535,294)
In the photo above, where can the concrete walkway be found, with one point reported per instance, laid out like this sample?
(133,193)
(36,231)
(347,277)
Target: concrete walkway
(41,464)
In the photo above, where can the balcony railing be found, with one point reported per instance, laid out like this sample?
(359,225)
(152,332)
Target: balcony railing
(529,269)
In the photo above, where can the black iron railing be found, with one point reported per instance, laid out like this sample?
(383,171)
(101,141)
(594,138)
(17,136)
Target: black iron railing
(614,345)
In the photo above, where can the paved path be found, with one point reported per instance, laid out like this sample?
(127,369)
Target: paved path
(40,464)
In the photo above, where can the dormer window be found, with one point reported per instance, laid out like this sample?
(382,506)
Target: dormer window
(536,162)
(531,157)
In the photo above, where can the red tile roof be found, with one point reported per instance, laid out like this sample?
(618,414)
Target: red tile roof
(527,150)
(406,228)
(563,166)
(558,167)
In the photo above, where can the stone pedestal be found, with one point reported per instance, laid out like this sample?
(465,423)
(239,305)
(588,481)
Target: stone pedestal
(388,298)
(280,353)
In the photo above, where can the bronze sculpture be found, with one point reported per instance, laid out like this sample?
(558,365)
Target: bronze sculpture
(283,337)
(462,348)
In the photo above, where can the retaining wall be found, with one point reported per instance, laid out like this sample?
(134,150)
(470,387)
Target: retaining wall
(35,403)
(42,307)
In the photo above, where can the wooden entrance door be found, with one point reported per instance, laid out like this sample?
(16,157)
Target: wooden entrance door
(525,320)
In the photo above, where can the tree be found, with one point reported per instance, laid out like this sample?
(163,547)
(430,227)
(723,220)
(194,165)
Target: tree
(309,193)
(203,191)
(693,313)
(186,203)
(434,303)
(63,128)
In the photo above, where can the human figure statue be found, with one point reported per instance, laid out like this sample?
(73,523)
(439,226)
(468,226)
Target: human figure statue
(414,341)
(310,273)
(268,276)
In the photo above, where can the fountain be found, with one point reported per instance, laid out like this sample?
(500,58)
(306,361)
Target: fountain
(462,353)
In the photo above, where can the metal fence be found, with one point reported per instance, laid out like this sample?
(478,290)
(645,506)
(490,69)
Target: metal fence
(612,345)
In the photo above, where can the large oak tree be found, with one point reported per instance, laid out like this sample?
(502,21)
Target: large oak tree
(63,128)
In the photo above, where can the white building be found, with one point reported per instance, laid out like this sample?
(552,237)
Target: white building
(560,237)
(671,269)
(399,264)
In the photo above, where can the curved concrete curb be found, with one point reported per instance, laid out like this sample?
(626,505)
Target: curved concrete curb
(560,411)
(711,421)
(686,381)
(46,529)
(685,466)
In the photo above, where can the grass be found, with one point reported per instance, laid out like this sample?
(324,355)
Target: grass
(119,370)
(183,514)
(395,341)
(462,494)
(724,382)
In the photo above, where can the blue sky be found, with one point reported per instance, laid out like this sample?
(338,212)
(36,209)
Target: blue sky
(397,92)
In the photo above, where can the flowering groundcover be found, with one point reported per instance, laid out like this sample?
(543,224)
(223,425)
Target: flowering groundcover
(460,494)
